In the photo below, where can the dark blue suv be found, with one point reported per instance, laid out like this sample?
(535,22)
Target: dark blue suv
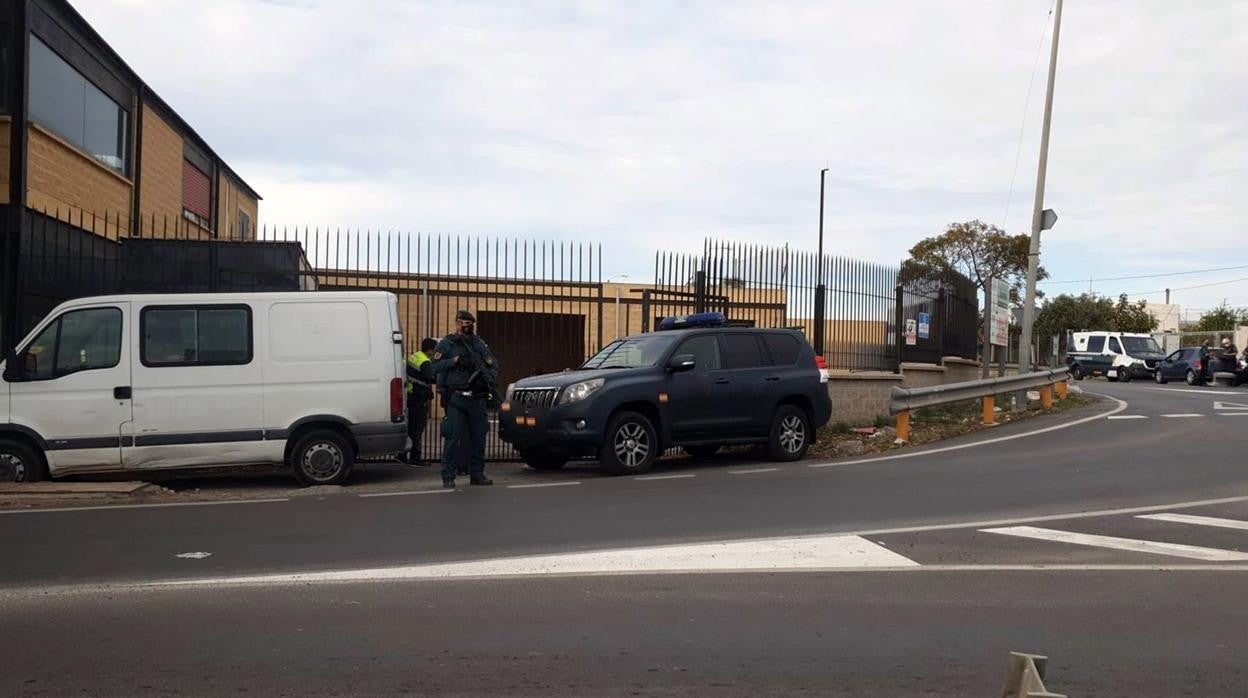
(699,389)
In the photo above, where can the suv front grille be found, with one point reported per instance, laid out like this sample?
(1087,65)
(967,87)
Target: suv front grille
(542,398)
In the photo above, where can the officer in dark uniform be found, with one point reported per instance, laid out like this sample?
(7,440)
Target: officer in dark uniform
(467,375)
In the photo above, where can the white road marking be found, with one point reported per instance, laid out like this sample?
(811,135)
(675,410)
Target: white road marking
(193,556)
(1192,552)
(1182,415)
(1219,405)
(1233,414)
(1195,390)
(404,494)
(144,506)
(1128,416)
(1198,520)
(663,477)
(752,470)
(1122,405)
(820,553)
(543,484)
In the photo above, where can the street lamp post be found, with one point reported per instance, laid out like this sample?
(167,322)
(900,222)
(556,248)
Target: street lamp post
(1039,219)
(821,290)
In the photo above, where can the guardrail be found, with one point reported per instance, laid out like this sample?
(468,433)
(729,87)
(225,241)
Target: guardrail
(903,400)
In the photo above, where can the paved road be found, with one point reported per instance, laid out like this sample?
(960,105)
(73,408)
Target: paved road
(1139,521)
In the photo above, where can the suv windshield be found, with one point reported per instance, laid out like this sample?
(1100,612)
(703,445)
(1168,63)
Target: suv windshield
(1140,345)
(633,352)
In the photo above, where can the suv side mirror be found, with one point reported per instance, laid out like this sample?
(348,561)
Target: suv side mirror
(681,363)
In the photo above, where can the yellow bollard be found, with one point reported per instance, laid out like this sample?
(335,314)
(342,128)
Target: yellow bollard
(1062,387)
(903,425)
(990,410)
(1046,396)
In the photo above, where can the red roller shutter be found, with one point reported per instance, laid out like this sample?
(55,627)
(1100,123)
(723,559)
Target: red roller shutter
(196,191)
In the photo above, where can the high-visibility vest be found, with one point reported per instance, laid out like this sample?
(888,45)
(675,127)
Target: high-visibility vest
(417,359)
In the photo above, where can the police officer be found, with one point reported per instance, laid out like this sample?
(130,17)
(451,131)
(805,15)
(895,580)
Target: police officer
(467,373)
(420,380)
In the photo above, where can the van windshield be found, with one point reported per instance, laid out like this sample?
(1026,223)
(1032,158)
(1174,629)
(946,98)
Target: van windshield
(1141,345)
(633,352)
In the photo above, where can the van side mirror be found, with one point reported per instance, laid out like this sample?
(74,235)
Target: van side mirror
(14,368)
(681,363)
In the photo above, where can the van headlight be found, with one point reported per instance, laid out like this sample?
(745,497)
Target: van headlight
(579,391)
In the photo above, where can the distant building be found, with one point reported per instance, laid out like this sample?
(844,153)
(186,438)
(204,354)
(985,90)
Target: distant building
(1168,315)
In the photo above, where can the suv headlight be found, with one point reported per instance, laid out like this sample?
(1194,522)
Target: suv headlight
(579,391)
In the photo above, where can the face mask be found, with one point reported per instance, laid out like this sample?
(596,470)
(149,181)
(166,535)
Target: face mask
(470,330)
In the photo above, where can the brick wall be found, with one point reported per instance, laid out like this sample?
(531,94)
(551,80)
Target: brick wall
(230,200)
(67,183)
(4,159)
(858,398)
(160,195)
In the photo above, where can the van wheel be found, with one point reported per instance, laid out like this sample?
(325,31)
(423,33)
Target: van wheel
(700,452)
(631,445)
(1076,372)
(19,462)
(1124,375)
(321,457)
(790,434)
(542,459)
(1159,377)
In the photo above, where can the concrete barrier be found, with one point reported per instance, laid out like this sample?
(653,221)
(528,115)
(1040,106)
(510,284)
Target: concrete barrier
(1024,677)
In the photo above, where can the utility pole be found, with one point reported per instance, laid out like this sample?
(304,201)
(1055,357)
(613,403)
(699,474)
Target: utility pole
(1037,214)
(821,290)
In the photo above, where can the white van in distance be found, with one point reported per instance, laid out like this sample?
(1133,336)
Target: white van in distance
(134,383)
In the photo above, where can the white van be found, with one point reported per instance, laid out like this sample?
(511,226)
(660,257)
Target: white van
(147,382)
(1119,355)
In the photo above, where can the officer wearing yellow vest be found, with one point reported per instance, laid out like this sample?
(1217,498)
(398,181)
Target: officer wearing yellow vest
(420,381)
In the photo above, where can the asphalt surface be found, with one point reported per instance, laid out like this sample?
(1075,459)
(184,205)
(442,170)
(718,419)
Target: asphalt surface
(1116,620)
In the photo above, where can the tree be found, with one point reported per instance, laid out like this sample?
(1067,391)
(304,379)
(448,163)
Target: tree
(1133,317)
(977,249)
(1067,313)
(1222,318)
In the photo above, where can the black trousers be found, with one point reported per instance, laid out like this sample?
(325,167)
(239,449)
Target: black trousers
(417,420)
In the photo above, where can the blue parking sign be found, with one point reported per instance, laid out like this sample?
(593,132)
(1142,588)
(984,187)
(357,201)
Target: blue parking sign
(925,325)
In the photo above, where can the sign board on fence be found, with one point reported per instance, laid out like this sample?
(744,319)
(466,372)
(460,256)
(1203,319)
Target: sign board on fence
(1000,309)
(912,332)
(925,325)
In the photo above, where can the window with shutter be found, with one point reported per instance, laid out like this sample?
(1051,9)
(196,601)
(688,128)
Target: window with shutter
(196,193)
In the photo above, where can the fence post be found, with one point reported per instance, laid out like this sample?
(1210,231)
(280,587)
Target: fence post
(941,318)
(699,292)
(898,331)
(821,292)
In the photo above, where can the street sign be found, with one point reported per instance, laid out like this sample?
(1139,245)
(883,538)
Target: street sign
(1000,313)
(1048,218)
(925,325)
(912,332)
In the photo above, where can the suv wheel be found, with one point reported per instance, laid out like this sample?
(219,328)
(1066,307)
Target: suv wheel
(542,459)
(631,445)
(1191,378)
(790,434)
(1159,377)
(19,463)
(321,457)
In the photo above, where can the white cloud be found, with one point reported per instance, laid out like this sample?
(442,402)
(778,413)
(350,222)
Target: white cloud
(651,124)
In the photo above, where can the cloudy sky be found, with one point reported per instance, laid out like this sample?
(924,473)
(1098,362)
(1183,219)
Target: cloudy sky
(647,125)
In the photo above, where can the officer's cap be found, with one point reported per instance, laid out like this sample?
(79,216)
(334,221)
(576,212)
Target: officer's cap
(465,315)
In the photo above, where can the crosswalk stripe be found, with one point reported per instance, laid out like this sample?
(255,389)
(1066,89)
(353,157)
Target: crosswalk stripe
(1192,552)
(1198,520)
